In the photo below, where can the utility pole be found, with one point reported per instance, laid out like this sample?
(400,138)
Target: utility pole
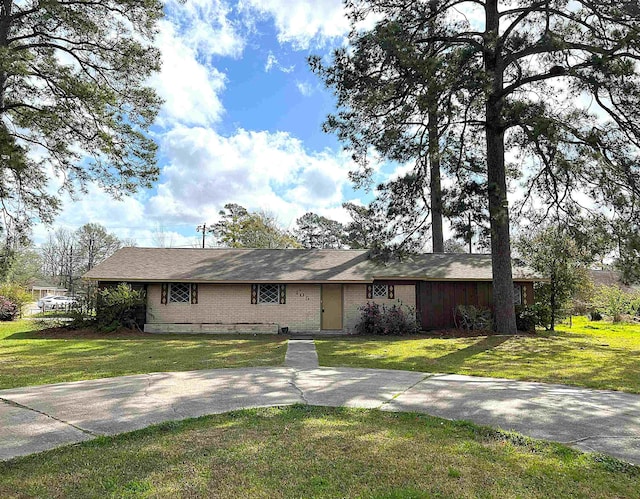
(202,228)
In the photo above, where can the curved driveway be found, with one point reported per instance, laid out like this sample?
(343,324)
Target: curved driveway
(38,418)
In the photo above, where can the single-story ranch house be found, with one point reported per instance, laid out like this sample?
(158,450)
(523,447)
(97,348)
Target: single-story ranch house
(271,290)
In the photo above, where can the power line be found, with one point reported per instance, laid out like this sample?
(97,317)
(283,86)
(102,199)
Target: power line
(203,228)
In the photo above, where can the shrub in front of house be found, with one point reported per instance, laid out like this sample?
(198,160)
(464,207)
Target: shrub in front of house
(472,318)
(118,306)
(396,320)
(8,309)
(369,318)
(527,317)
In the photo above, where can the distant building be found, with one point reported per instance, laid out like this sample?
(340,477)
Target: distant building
(42,288)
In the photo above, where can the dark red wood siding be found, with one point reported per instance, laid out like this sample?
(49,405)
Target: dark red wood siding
(527,289)
(437,300)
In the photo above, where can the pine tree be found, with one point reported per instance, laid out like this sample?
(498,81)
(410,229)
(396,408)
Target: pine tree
(74,100)
(530,66)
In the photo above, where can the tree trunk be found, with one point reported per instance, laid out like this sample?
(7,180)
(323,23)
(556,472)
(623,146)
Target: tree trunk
(553,302)
(436,189)
(437,235)
(5,26)
(505,317)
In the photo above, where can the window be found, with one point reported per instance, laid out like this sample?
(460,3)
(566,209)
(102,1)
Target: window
(380,291)
(179,292)
(517,294)
(268,293)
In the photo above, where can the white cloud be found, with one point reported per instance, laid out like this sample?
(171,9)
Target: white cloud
(205,170)
(304,88)
(190,89)
(126,218)
(259,170)
(205,27)
(122,217)
(272,62)
(304,22)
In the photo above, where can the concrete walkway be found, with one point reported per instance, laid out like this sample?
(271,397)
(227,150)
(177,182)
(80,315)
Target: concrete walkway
(34,419)
(301,354)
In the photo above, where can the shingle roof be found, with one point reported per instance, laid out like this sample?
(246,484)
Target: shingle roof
(610,278)
(288,265)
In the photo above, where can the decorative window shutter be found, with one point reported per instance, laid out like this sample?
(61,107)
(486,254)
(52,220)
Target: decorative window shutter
(164,293)
(194,294)
(283,294)
(391,293)
(254,294)
(369,291)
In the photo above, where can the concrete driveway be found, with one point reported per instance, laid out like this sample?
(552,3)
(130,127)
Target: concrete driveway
(37,418)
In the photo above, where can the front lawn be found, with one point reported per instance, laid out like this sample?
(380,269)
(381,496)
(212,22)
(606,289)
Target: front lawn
(304,451)
(590,354)
(30,355)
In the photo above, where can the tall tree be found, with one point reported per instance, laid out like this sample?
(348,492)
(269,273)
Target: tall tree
(95,244)
(25,268)
(627,262)
(553,253)
(262,230)
(367,228)
(74,100)
(454,246)
(129,242)
(398,97)
(239,228)
(316,231)
(392,224)
(68,254)
(532,64)
(229,229)
(61,258)
(466,207)
(161,237)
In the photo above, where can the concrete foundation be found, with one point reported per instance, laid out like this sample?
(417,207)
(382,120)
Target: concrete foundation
(168,328)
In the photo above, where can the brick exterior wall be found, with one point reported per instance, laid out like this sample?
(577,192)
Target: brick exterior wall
(231,304)
(355,295)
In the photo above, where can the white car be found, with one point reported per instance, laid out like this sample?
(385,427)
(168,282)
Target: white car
(44,299)
(57,302)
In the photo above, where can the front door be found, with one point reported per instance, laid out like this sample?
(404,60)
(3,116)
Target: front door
(331,306)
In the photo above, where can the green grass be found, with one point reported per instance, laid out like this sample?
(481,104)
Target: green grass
(54,313)
(304,451)
(30,356)
(590,354)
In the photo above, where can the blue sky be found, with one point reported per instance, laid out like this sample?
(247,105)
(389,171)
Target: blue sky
(241,122)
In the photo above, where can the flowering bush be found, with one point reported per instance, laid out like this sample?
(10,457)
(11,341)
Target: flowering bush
(8,309)
(16,294)
(369,318)
(380,320)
